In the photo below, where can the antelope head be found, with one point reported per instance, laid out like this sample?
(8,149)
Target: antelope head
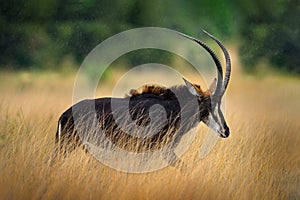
(213,117)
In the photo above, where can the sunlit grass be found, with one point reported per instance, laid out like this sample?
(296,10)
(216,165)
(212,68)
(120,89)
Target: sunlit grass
(260,159)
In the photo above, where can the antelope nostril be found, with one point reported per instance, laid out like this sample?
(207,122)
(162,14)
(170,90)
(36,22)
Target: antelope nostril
(227,132)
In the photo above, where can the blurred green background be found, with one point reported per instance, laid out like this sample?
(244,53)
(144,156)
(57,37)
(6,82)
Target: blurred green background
(52,34)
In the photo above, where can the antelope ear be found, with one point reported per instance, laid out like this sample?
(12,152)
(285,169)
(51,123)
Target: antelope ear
(191,88)
(213,86)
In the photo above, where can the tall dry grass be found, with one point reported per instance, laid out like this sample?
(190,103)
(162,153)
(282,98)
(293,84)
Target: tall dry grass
(260,159)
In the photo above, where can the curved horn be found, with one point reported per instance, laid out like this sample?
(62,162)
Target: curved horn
(218,90)
(228,62)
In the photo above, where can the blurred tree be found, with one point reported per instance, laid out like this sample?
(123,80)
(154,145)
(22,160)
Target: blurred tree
(270,30)
(41,33)
(216,15)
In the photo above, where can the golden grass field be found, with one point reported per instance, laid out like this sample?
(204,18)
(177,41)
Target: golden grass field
(260,159)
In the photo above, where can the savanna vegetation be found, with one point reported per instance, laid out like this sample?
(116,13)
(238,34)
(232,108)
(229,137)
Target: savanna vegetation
(260,160)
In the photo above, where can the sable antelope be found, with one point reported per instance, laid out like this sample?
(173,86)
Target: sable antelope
(182,107)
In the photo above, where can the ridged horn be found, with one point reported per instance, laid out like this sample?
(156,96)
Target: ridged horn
(228,63)
(218,90)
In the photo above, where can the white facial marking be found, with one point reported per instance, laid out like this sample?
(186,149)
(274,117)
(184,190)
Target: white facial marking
(59,130)
(212,124)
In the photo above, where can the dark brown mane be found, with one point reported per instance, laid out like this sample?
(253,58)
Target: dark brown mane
(149,89)
(161,91)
